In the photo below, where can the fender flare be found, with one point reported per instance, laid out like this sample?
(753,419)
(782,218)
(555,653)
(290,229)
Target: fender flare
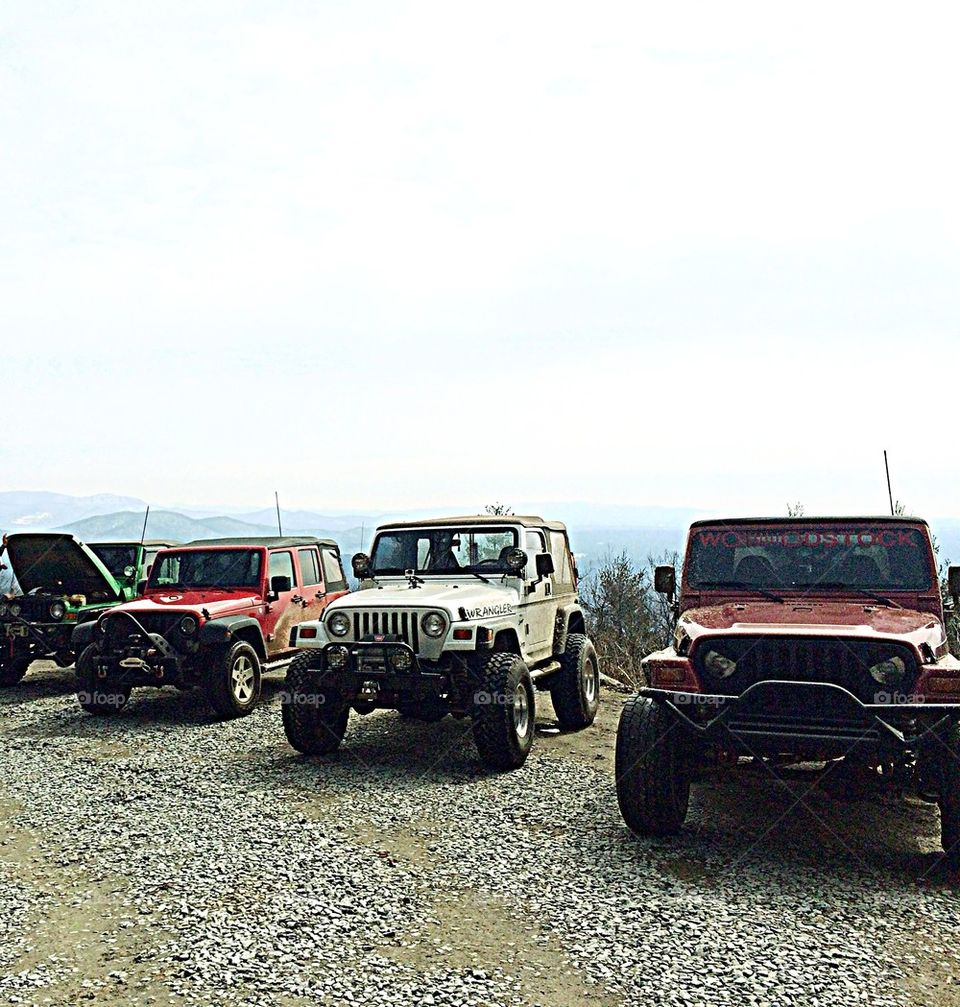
(82,635)
(216,632)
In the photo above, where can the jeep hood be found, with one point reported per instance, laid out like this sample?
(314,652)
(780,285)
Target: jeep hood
(475,597)
(194,601)
(59,563)
(813,618)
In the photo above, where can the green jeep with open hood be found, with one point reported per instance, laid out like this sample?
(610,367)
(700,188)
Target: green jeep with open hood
(61,582)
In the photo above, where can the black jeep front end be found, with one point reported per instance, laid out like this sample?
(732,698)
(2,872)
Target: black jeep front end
(146,648)
(384,672)
(34,627)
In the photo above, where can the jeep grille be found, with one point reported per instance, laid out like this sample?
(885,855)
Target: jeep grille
(845,663)
(403,624)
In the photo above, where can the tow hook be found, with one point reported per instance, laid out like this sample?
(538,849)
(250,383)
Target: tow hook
(368,691)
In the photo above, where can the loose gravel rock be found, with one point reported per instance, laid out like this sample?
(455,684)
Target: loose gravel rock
(162,857)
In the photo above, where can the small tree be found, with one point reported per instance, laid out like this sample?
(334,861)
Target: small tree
(795,509)
(498,509)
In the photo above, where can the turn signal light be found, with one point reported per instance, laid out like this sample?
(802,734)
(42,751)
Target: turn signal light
(667,676)
(944,686)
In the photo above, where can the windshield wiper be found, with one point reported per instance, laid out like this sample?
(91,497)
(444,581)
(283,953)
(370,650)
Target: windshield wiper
(856,590)
(740,585)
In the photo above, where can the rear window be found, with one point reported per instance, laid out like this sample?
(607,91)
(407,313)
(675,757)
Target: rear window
(884,558)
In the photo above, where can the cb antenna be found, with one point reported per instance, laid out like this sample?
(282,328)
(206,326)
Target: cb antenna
(886,464)
(143,534)
(276,497)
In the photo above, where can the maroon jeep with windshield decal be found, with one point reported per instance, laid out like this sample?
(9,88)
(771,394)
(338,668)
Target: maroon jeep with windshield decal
(213,614)
(819,642)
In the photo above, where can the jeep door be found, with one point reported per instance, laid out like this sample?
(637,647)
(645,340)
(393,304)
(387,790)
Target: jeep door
(281,612)
(539,606)
(313,590)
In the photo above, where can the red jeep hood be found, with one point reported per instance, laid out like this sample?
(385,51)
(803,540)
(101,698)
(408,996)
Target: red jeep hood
(216,603)
(813,618)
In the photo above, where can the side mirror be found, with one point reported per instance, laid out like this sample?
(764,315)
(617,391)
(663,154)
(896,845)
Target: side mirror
(665,580)
(515,560)
(544,564)
(279,584)
(141,587)
(361,565)
(953,584)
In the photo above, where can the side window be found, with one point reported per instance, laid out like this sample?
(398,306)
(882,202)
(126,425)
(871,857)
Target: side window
(149,555)
(281,565)
(534,542)
(562,564)
(332,571)
(309,567)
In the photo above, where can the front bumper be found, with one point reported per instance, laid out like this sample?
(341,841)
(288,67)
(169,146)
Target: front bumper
(806,718)
(137,655)
(369,673)
(37,638)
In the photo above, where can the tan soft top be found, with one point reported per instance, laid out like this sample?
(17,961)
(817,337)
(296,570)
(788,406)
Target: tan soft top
(525,520)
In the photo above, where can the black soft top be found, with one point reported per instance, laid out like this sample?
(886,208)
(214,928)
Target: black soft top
(268,541)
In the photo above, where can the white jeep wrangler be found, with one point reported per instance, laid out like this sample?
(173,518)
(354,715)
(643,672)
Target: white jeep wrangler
(454,615)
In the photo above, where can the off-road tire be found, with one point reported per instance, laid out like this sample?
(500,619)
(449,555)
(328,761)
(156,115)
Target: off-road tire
(575,688)
(504,712)
(314,718)
(232,680)
(653,785)
(949,800)
(12,670)
(100,697)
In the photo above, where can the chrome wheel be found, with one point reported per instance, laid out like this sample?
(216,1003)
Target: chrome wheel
(242,679)
(590,680)
(521,711)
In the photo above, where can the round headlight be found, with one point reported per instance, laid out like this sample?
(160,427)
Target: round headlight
(339,624)
(719,665)
(401,660)
(4,608)
(57,611)
(189,625)
(15,610)
(433,624)
(889,672)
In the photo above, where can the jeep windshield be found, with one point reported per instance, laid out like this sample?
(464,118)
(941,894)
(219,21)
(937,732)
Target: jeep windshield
(207,568)
(116,558)
(812,557)
(443,551)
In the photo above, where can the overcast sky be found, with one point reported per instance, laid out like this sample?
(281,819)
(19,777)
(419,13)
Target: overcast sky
(389,254)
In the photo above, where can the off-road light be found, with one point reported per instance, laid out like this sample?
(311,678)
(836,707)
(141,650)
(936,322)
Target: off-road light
(889,672)
(433,624)
(515,560)
(3,608)
(57,611)
(401,660)
(15,610)
(189,625)
(337,657)
(718,665)
(339,624)
(102,626)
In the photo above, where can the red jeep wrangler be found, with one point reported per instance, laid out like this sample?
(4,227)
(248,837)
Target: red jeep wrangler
(213,614)
(802,641)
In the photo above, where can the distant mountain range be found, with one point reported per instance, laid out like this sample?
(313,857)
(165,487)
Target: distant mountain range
(595,530)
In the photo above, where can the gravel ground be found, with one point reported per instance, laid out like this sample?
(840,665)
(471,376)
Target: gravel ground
(165,858)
